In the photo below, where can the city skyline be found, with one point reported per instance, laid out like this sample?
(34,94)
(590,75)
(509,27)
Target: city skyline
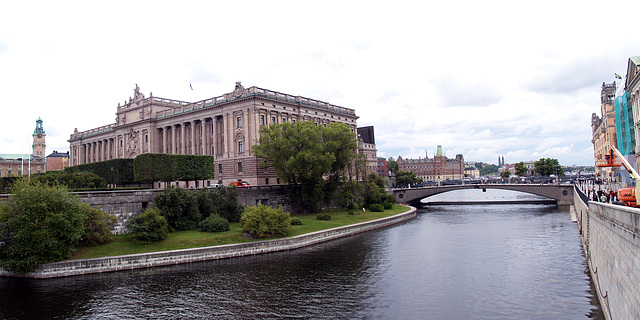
(481,79)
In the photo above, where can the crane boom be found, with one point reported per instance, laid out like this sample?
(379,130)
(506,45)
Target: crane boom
(632,172)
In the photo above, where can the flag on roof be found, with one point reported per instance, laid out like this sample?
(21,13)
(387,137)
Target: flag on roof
(192,87)
(618,76)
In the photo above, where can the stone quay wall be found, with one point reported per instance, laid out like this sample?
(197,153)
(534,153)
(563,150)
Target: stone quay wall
(157,259)
(611,241)
(128,203)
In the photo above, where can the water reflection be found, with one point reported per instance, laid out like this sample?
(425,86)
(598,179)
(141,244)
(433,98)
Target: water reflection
(452,262)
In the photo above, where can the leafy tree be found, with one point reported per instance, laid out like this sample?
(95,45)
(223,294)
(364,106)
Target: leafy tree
(406,178)
(310,159)
(521,170)
(505,174)
(393,165)
(262,222)
(487,169)
(39,224)
(148,227)
(548,166)
(179,207)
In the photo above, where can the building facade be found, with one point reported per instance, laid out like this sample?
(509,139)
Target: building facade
(57,161)
(603,128)
(383,167)
(438,168)
(632,87)
(225,127)
(367,147)
(12,165)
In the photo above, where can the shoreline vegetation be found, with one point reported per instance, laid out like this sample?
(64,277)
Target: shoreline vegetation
(195,239)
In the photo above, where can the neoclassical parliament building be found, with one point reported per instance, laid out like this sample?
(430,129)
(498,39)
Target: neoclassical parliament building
(225,127)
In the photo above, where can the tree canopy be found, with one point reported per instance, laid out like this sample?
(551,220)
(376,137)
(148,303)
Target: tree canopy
(393,165)
(548,166)
(521,170)
(306,156)
(406,178)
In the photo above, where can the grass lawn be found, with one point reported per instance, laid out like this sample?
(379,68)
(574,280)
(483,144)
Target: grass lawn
(194,239)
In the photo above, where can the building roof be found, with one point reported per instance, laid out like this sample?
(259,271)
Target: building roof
(56,154)
(9,156)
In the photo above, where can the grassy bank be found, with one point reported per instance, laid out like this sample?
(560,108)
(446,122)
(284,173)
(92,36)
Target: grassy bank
(193,239)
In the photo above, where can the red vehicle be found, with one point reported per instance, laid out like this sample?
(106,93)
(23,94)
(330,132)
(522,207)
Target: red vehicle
(239,184)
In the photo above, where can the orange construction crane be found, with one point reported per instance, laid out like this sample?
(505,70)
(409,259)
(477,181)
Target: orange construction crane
(615,159)
(608,160)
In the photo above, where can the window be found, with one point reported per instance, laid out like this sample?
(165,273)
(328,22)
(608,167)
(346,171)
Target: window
(262,119)
(239,122)
(266,181)
(220,168)
(239,166)
(284,120)
(273,120)
(240,146)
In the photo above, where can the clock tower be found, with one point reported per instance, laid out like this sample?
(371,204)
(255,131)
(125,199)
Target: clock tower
(38,140)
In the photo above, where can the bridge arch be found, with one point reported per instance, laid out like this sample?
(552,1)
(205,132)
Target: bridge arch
(562,194)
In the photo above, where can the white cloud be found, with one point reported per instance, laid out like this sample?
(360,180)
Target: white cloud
(485,79)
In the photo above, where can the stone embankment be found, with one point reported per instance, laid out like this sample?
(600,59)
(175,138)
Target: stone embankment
(156,259)
(611,241)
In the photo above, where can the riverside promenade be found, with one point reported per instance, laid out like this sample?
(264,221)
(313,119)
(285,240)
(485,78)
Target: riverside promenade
(173,257)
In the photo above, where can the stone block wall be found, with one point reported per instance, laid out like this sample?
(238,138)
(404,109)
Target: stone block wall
(126,204)
(611,240)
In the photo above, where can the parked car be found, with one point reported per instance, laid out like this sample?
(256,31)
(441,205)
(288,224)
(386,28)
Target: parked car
(239,184)
(214,185)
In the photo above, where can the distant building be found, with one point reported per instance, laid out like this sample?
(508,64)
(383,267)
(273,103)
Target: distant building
(26,164)
(367,147)
(383,167)
(603,128)
(471,172)
(57,161)
(437,168)
(225,126)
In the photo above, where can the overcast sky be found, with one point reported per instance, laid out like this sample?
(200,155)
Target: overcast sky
(481,78)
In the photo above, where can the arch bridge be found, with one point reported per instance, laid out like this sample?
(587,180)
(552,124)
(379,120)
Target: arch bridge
(562,194)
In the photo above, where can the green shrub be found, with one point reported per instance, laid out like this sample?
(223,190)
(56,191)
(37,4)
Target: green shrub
(351,212)
(296,221)
(214,223)
(38,224)
(388,205)
(323,216)
(222,201)
(97,227)
(180,207)
(262,222)
(148,227)
(376,208)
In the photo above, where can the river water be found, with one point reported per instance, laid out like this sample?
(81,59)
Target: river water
(451,262)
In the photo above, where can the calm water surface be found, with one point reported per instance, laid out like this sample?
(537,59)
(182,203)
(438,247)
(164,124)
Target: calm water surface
(451,262)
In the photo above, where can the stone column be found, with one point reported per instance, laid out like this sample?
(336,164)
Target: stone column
(174,137)
(183,138)
(194,150)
